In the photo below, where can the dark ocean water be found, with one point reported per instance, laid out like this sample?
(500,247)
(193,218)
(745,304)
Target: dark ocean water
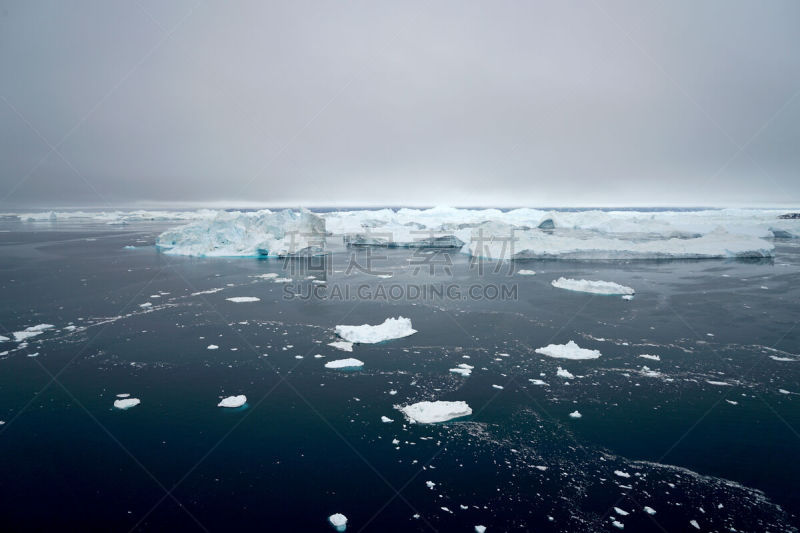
(310,441)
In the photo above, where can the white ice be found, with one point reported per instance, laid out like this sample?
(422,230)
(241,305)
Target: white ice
(344,363)
(233,401)
(243,299)
(392,328)
(342,345)
(433,412)
(563,373)
(126,403)
(593,287)
(568,351)
(338,521)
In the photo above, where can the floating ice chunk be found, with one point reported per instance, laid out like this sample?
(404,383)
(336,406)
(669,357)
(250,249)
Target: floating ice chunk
(342,345)
(4,339)
(563,373)
(575,414)
(20,336)
(271,275)
(433,412)
(33,354)
(233,401)
(248,234)
(627,296)
(617,524)
(209,291)
(243,299)
(392,328)
(538,382)
(621,512)
(480,529)
(146,304)
(649,510)
(524,272)
(568,351)
(694,524)
(620,473)
(783,359)
(651,357)
(123,395)
(386,420)
(498,387)
(594,287)
(338,521)
(461,371)
(718,383)
(212,347)
(126,403)
(40,327)
(344,363)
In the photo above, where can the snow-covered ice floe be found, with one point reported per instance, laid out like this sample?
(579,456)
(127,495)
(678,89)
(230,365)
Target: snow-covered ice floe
(344,363)
(434,412)
(392,328)
(233,401)
(568,351)
(338,521)
(593,287)
(249,234)
(126,403)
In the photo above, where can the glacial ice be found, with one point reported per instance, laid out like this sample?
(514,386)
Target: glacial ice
(233,401)
(568,351)
(126,403)
(434,412)
(593,287)
(344,363)
(250,234)
(392,328)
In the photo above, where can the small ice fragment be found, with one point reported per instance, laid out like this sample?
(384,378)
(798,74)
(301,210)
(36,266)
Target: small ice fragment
(499,387)
(575,414)
(243,299)
(618,525)
(562,373)
(344,363)
(430,484)
(391,328)
(146,304)
(433,412)
(593,287)
(621,512)
(525,272)
(480,529)
(126,403)
(342,345)
(233,401)
(212,347)
(386,420)
(651,357)
(338,521)
(568,351)
(649,510)
(694,524)
(620,473)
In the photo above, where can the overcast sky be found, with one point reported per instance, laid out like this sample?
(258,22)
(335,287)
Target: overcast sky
(524,103)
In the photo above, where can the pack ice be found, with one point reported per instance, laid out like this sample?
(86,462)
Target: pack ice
(392,328)
(248,234)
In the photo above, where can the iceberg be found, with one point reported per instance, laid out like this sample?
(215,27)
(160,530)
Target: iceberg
(575,414)
(434,412)
(344,363)
(262,233)
(338,521)
(233,401)
(563,373)
(593,287)
(568,351)
(126,403)
(392,328)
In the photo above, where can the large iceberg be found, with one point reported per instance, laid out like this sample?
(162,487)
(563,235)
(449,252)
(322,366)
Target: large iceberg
(434,412)
(392,328)
(250,234)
